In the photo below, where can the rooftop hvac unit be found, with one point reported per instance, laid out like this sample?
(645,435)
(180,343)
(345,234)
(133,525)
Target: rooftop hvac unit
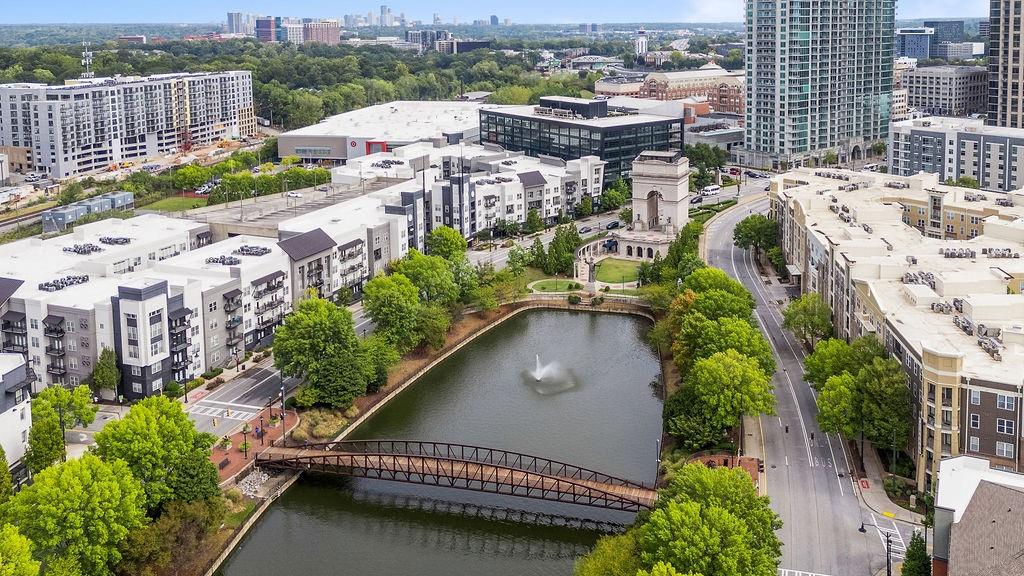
(911,259)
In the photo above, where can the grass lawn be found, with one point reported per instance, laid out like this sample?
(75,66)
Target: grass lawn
(615,271)
(175,204)
(239,514)
(554,285)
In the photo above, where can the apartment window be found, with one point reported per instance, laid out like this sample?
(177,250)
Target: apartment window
(975,397)
(1005,402)
(1004,426)
(72,364)
(136,371)
(34,323)
(947,441)
(947,417)
(130,317)
(1004,449)
(156,348)
(155,368)
(973,444)
(975,421)
(137,387)
(35,342)
(213,306)
(133,351)
(132,333)
(72,345)
(74,380)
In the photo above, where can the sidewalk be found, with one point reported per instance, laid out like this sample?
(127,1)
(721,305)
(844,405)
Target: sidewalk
(753,446)
(232,461)
(873,493)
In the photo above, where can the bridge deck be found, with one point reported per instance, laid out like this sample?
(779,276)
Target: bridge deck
(625,497)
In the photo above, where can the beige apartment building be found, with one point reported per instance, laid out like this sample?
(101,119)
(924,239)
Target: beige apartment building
(724,90)
(935,273)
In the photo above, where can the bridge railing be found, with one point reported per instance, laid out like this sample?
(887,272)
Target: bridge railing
(478,454)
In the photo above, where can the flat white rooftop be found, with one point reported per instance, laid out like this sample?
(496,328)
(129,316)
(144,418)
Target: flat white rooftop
(959,478)
(967,125)
(399,121)
(600,122)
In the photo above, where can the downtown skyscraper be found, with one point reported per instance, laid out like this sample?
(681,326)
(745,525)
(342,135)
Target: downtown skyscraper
(819,79)
(1006,64)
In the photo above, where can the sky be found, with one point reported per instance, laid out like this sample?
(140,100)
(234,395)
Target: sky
(524,11)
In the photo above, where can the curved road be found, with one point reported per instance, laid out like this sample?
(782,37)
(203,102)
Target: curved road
(807,471)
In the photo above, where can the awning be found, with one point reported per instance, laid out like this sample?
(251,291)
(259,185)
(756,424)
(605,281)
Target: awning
(205,235)
(53,320)
(268,278)
(179,313)
(232,294)
(13,316)
(348,245)
(793,270)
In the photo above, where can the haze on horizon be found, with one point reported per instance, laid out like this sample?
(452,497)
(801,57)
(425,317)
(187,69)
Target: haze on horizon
(526,12)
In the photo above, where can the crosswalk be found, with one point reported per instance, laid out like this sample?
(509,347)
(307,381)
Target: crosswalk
(225,410)
(887,527)
(788,572)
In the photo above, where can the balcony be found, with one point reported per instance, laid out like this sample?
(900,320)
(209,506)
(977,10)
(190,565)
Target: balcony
(179,345)
(55,351)
(53,331)
(233,339)
(179,364)
(14,327)
(179,328)
(269,321)
(232,305)
(233,322)
(268,306)
(56,369)
(15,347)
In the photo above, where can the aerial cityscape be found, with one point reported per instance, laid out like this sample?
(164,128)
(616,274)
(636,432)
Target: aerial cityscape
(683,289)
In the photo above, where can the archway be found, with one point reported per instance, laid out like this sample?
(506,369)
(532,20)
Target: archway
(629,250)
(856,153)
(653,198)
(650,253)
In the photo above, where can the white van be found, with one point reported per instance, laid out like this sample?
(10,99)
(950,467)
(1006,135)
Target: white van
(870,168)
(712,190)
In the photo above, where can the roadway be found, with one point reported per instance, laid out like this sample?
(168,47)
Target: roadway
(808,472)
(227,407)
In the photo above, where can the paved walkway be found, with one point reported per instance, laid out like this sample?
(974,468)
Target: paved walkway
(232,461)
(873,492)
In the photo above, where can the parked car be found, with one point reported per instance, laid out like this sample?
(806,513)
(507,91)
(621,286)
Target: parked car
(321,188)
(734,171)
(294,194)
(613,225)
(696,199)
(32,177)
(768,188)
(586,229)
(309,166)
(711,190)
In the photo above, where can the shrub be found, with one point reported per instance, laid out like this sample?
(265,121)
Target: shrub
(248,354)
(597,301)
(328,428)
(299,435)
(212,373)
(606,289)
(352,412)
(574,299)
(290,403)
(224,444)
(245,447)
(234,495)
(215,383)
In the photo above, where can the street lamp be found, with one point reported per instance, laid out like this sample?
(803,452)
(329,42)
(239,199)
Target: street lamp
(888,546)
(263,430)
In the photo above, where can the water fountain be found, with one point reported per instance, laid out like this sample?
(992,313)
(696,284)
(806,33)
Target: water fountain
(551,378)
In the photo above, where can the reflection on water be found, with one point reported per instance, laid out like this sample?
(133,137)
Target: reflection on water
(597,411)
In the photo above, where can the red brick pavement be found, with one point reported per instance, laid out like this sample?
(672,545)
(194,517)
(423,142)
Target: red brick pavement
(232,461)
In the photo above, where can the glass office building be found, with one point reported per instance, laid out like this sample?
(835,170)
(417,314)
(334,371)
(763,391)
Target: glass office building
(570,128)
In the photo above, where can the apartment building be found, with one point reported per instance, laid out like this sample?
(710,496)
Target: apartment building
(819,77)
(952,51)
(934,272)
(1006,64)
(947,90)
(915,42)
(87,125)
(957,147)
(15,412)
(945,30)
(724,90)
(322,32)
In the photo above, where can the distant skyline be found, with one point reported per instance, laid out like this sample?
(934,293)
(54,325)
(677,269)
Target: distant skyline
(526,12)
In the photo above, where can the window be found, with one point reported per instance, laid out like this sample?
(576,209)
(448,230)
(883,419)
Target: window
(975,421)
(973,444)
(73,364)
(1004,449)
(132,333)
(72,345)
(74,380)
(213,306)
(1004,426)
(136,371)
(133,351)
(137,387)
(156,348)
(155,368)
(1005,402)
(35,342)
(975,397)
(158,385)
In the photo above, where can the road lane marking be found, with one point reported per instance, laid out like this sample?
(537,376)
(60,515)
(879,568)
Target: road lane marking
(898,546)
(788,572)
(231,404)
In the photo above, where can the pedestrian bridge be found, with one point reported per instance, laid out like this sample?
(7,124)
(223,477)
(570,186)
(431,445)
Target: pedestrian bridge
(464,467)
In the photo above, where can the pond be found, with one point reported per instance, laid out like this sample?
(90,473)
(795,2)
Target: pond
(595,406)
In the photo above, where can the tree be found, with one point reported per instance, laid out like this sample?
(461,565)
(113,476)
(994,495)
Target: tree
(432,324)
(657,296)
(615,196)
(585,207)
(664,568)
(82,509)
(916,561)
(727,385)
(392,302)
(304,108)
(74,406)
(45,440)
(733,490)
(484,299)
(701,338)
(706,539)
(376,357)
(290,160)
(756,231)
(106,376)
(626,216)
(171,539)
(612,556)
(714,304)
(685,265)
(447,243)
(879,147)
(431,275)
(518,260)
(963,182)
(6,484)
(71,193)
(518,95)
(808,317)
(313,339)
(704,279)
(533,221)
(836,405)
(163,450)
(190,177)
(829,358)
(16,553)
(885,403)
(830,158)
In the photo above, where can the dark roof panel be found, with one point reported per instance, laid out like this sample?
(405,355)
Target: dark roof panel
(8,286)
(268,278)
(230,294)
(531,179)
(307,244)
(53,320)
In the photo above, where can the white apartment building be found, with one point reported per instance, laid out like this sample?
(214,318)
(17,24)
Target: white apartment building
(935,273)
(957,147)
(87,125)
(819,79)
(15,408)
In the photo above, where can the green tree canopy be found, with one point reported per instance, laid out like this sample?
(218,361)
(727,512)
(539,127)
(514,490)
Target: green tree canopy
(432,324)
(755,231)
(728,385)
(664,568)
(917,562)
(715,303)
(83,510)
(808,317)
(533,221)
(16,553)
(163,450)
(376,357)
(447,243)
(612,556)
(432,277)
(836,405)
(886,403)
(392,302)
(832,356)
(707,278)
(106,376)
(6,483)
(45,440)
(190,177)
(74,405)
(701,338)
